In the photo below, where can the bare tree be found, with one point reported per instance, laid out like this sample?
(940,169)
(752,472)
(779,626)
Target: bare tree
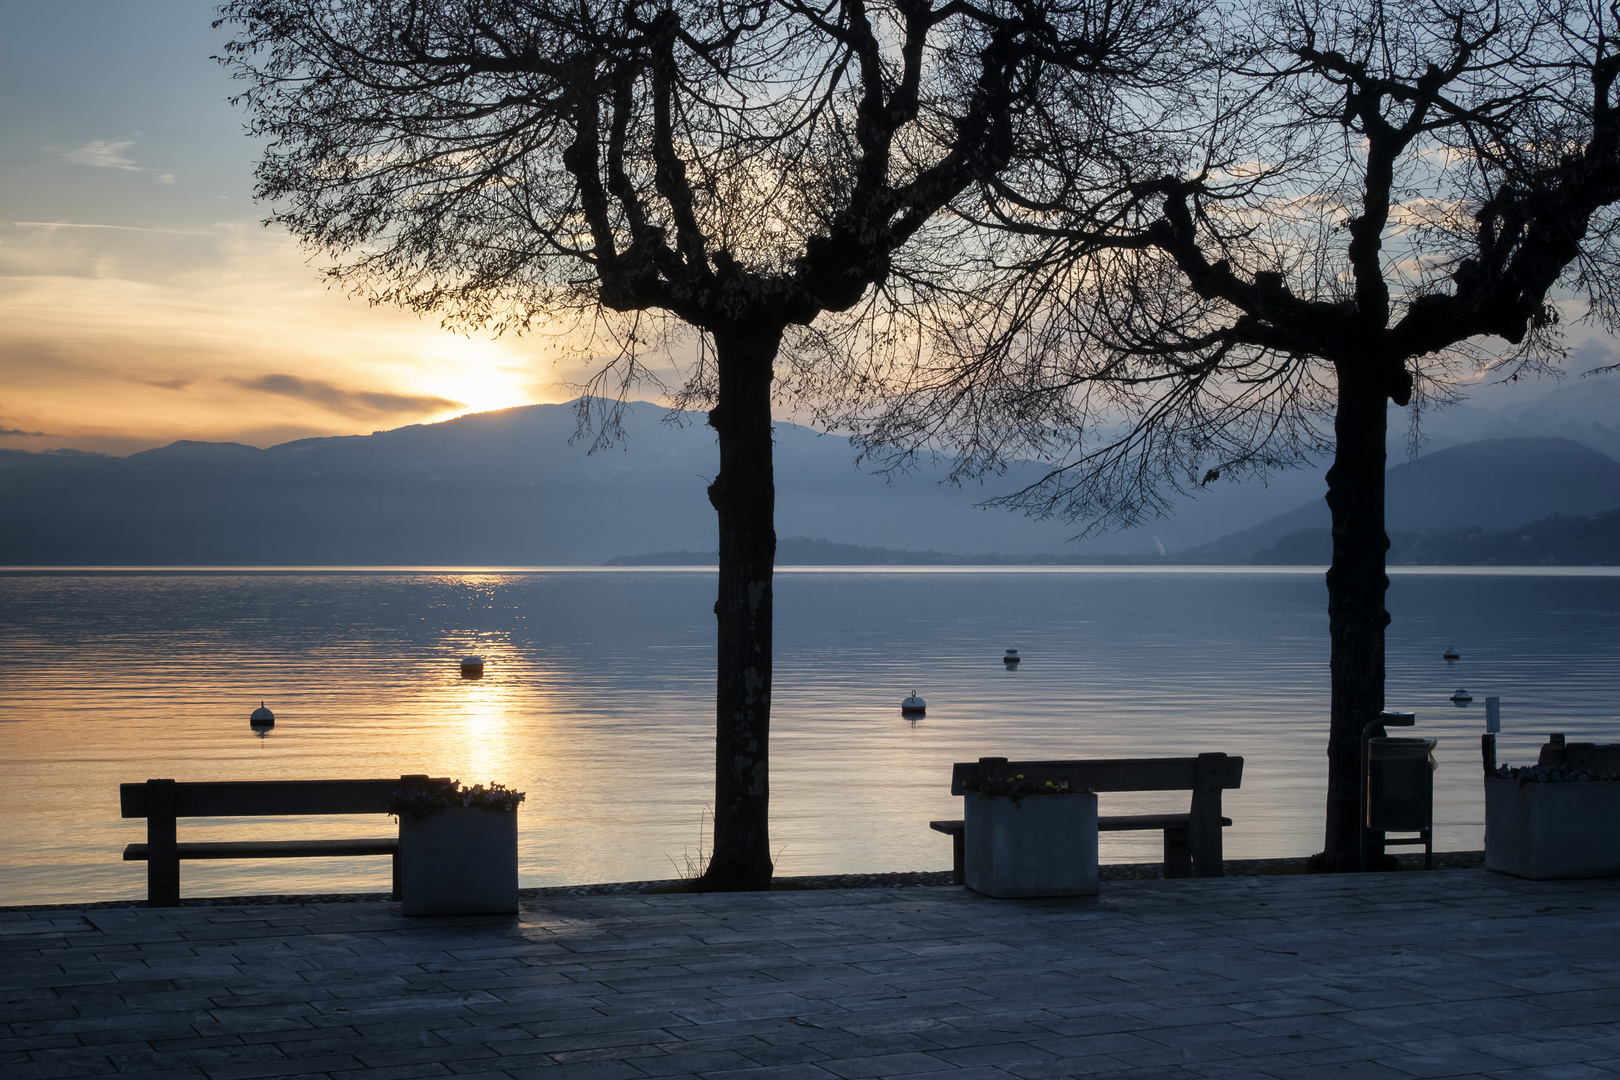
(738,166)
(1373,197)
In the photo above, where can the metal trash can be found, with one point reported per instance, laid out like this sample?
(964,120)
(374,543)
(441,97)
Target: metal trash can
(1400,784)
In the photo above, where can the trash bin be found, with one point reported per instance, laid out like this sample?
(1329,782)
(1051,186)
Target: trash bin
(1400,784)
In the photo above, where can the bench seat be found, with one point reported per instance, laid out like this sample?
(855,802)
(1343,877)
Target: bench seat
(1177,852)
(280,849)
(273,849)
(163,802)
(1192,841)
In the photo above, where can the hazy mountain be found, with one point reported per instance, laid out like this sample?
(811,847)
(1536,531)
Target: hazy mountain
(1586,410)
(1487,486)
(507,488)
(499,488)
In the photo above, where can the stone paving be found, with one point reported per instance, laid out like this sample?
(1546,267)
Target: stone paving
(1455,973)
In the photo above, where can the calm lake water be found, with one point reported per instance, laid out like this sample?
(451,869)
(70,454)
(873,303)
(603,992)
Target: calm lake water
(598,701)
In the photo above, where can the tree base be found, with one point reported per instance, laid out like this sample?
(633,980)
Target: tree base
(1318,864)
(710,882)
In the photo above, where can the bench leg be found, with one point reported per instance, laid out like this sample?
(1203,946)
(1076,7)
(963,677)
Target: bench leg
(1204,828)
(395,894)
(162,855)
(1177,854)
(958,859)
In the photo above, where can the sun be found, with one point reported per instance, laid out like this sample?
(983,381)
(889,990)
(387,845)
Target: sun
(480,373)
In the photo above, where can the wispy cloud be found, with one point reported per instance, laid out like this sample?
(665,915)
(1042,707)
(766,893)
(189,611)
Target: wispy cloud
(18,431)
(119,228)
(104,154)
(345,402)
(110,154)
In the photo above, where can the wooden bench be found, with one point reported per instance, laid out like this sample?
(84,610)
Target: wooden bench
(1192,841)
(162,802)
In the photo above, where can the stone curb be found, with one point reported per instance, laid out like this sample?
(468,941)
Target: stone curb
(1443,860)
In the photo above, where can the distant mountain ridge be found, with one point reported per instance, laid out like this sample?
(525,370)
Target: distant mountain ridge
(1490,485)
(508,488)
(505,488)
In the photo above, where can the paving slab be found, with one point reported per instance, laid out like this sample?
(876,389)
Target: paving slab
(1459,973)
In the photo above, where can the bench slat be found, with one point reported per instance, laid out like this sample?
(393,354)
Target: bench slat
(1117,823)
(1128,822)
(266,798)
(274,849)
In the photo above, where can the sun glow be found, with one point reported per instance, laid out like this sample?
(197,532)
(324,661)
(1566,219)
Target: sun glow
(481,374)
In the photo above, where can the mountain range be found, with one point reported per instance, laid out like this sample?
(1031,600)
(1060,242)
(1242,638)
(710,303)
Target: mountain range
(516,487)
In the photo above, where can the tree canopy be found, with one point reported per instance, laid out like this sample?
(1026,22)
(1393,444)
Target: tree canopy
(1371,200)
(818,175)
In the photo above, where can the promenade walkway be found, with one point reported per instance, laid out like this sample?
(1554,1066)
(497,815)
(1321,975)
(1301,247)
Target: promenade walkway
(1454,973)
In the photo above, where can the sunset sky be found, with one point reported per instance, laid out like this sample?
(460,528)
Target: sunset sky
(141,301)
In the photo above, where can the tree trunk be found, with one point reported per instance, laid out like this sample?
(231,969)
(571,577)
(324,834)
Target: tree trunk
(744,495)
(1356,616)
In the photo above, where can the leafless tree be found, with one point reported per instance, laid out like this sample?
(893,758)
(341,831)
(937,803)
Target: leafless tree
(1372,198)
(742,167)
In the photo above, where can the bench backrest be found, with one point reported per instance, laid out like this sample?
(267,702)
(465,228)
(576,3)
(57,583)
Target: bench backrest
(262,798)
(1118,774)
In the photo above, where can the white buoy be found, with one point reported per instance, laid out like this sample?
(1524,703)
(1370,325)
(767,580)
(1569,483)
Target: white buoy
(1010,657)
(913,705)
(1462,697)
(472,666)
(262,720)
(1451,653)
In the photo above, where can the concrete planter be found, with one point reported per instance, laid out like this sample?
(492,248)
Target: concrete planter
(1559,830)
(1033,845)
(460,861)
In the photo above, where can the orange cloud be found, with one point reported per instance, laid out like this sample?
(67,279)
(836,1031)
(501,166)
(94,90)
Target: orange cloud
(119,339)
(346,402)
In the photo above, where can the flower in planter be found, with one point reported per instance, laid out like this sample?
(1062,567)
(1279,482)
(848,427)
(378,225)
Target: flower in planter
(416,803)
(1550,774)
(1017,785)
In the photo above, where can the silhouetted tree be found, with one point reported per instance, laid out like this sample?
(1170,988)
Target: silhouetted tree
(742,166)
(1373,197)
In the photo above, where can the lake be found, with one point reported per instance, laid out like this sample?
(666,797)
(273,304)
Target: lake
(598,701)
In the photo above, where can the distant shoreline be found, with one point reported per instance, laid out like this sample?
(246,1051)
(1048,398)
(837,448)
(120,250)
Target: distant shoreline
(832,568)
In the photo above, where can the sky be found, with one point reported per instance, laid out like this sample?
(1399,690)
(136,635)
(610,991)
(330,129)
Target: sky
(141,299)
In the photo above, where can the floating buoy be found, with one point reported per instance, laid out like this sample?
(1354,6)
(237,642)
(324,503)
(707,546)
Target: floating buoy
(472,667)
(262,720)
(1462,697)
(1451,653)
(913,705)
(1010,657)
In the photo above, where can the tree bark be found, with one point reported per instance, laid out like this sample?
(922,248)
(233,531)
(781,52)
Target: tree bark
(744,497)
(1356,617)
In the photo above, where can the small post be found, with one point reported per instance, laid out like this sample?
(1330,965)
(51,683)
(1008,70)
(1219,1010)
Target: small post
(162,854)
(1487,741)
